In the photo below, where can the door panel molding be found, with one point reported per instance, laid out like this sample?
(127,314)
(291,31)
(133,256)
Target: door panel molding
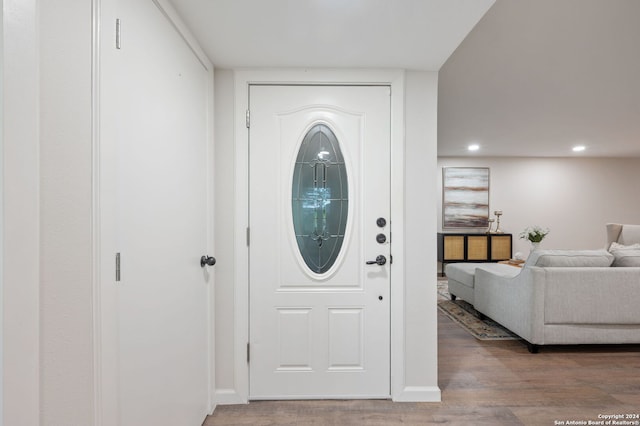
(245,78)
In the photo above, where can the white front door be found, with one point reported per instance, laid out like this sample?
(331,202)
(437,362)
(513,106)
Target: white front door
(154,165)
(319,211)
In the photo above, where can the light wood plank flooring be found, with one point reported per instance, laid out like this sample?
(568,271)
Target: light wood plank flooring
(482,383)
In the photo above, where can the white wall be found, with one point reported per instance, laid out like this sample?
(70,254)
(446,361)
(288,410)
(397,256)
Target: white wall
(20,189)
(574,197)
(420,198)
(66,339)
(421,338)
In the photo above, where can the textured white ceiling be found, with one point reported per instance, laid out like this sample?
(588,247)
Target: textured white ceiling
(534,78)
(412,34)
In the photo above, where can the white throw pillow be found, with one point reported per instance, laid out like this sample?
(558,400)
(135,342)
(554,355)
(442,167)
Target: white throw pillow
(617,246)
(627,258)
(570,258)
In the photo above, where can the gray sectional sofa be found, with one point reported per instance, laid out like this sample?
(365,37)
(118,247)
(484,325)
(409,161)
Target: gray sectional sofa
(561,296)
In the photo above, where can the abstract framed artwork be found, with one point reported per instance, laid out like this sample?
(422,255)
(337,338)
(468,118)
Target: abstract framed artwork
(465,197)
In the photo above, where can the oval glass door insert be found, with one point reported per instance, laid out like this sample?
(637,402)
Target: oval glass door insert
(320,199)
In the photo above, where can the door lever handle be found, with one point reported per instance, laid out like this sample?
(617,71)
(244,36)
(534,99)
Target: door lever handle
(207,260)
(380,260)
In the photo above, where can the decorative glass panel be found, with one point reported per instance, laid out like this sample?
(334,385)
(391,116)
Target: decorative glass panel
(320,199)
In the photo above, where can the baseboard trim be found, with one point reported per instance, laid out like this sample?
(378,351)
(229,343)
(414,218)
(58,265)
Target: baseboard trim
(408,394)
(227,397)
(419,394)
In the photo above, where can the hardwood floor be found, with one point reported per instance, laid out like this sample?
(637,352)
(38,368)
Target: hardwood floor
(483,383)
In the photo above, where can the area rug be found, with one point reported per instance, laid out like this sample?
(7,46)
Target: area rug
(443,289)
(463,314)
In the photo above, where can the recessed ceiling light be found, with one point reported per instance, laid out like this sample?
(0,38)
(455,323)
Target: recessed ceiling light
(473,147)
(579,148)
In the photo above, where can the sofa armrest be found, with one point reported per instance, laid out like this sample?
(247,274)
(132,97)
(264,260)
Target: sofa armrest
(516,302)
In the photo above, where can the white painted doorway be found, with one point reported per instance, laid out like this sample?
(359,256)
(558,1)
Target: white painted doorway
(319,161)
(156,219)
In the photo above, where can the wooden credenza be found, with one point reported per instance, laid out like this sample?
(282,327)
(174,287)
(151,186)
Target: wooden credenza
(465,247)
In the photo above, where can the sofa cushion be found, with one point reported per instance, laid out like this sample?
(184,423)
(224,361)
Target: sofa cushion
(464,273)
(626,257)
(570,258)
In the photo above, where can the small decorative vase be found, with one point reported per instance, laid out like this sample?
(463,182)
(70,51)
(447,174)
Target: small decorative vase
(534,246)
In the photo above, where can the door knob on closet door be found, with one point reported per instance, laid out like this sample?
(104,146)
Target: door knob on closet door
(207,260)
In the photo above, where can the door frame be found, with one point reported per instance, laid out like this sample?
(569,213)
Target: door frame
(243,79)
(105,336)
